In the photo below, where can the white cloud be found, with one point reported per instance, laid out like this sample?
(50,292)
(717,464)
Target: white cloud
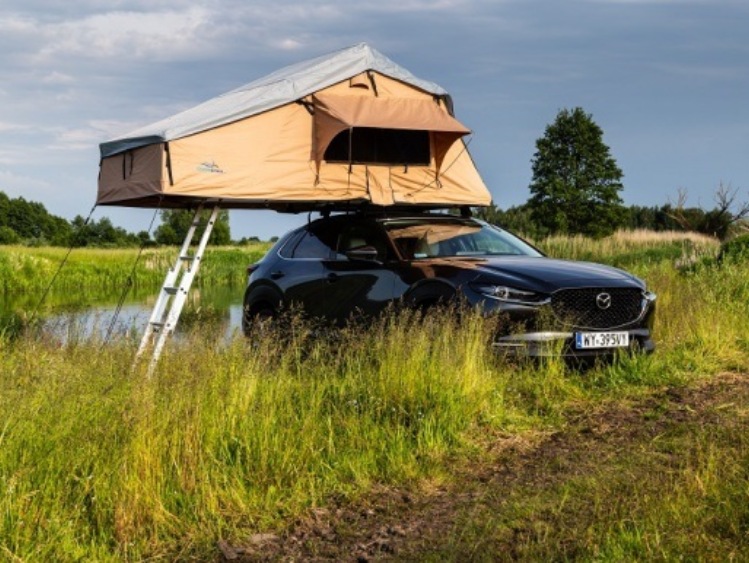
(163,35)
(289,44)
(649,1)
(82,138)
(418,6)
(14,24)
(12,183)
(6,127)
(86,137)
(57,78)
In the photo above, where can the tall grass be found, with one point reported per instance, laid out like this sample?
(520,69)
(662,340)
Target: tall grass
(636,248)
(99,462)
(25,270)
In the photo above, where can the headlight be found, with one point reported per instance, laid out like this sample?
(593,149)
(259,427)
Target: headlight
(506,293)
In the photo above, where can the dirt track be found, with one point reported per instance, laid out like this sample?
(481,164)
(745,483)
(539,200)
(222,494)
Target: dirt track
(402,524)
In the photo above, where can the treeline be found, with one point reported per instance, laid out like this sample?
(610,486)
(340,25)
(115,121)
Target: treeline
(29,223)
(714,222)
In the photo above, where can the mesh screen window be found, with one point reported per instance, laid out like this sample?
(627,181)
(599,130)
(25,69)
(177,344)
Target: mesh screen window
(370,145)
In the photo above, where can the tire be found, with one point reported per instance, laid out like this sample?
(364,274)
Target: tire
(257,320)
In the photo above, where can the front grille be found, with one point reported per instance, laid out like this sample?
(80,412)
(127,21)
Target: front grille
(583,307)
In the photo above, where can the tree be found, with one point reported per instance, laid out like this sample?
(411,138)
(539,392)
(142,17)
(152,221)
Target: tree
(31,221)
(719,221)
(8,235)
(576,182)
(176,222)
(100,233)
(517,219)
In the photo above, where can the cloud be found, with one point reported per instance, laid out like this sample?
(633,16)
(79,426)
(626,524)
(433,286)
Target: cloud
(12,183)
(289,44)
(420,6)
(160,35)
(82,138)
(8,127)
(57,78)
(86,137)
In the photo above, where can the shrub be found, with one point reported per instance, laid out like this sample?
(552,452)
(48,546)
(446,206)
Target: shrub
(735,249)
(8,236)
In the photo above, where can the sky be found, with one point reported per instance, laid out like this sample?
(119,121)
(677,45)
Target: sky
(666,80)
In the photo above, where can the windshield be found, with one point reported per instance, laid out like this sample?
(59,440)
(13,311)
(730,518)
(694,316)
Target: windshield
(440,238)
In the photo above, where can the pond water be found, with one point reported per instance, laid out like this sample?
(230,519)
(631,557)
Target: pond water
(75,315)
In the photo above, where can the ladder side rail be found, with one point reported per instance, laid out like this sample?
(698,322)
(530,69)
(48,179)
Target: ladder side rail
(157,314)
(184,288)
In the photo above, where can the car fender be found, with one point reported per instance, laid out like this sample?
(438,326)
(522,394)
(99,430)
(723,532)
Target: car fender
(426,293)
(263,295)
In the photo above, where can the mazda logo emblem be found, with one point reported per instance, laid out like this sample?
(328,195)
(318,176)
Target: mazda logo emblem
(603,300)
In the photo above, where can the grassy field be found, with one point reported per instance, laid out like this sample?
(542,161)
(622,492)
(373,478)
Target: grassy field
(27,270)
(228,440)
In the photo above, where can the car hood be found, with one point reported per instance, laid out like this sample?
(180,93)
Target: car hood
(546,274)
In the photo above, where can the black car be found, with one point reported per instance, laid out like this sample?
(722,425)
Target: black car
(359,264)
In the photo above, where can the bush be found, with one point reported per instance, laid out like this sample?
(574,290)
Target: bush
(735,249)
(8,236)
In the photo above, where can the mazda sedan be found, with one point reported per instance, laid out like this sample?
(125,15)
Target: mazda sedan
(357,264)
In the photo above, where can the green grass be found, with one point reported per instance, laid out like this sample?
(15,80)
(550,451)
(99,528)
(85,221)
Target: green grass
(98,462)
(676,491)
(221,441)
(26,270)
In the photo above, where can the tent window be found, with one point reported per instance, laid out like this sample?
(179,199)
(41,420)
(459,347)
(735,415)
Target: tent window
(370,145)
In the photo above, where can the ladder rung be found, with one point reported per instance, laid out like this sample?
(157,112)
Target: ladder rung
(166,325)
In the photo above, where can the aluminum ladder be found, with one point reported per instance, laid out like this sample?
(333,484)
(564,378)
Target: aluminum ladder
(174,292)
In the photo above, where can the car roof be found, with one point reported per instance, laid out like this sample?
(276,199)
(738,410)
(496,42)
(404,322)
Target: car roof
(382,217)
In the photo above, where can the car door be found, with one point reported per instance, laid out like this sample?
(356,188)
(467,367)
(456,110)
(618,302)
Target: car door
(300,274)
(359,286)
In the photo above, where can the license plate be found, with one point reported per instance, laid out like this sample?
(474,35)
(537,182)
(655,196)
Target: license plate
(589,340)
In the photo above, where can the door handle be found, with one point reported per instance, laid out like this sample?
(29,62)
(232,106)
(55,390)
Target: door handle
(277,275)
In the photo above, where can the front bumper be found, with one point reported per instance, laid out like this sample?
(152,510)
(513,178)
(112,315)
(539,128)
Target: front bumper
(562,344)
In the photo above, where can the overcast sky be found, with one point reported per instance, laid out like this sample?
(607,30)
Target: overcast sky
(666,80)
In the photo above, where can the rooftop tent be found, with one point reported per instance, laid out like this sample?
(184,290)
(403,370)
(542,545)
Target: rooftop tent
(342,129)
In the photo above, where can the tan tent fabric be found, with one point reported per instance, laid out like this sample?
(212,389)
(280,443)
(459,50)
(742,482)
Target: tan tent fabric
(273,158)
(336,113)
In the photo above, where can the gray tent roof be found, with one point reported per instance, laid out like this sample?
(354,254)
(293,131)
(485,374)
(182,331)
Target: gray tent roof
(281,87)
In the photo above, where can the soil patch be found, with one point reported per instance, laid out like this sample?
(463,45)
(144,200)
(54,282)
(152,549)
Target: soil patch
(401,523)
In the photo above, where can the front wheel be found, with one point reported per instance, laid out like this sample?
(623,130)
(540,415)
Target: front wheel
(257,321)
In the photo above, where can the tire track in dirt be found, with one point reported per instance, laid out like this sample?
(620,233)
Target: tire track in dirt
(400,523)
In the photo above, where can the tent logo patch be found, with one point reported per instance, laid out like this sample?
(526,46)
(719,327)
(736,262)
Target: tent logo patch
(210,168)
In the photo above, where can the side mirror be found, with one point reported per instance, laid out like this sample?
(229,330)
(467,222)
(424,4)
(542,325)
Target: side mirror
(368,253)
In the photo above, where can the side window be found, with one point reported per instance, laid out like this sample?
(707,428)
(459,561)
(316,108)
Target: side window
(288,246)
(358,236)
(315,242)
